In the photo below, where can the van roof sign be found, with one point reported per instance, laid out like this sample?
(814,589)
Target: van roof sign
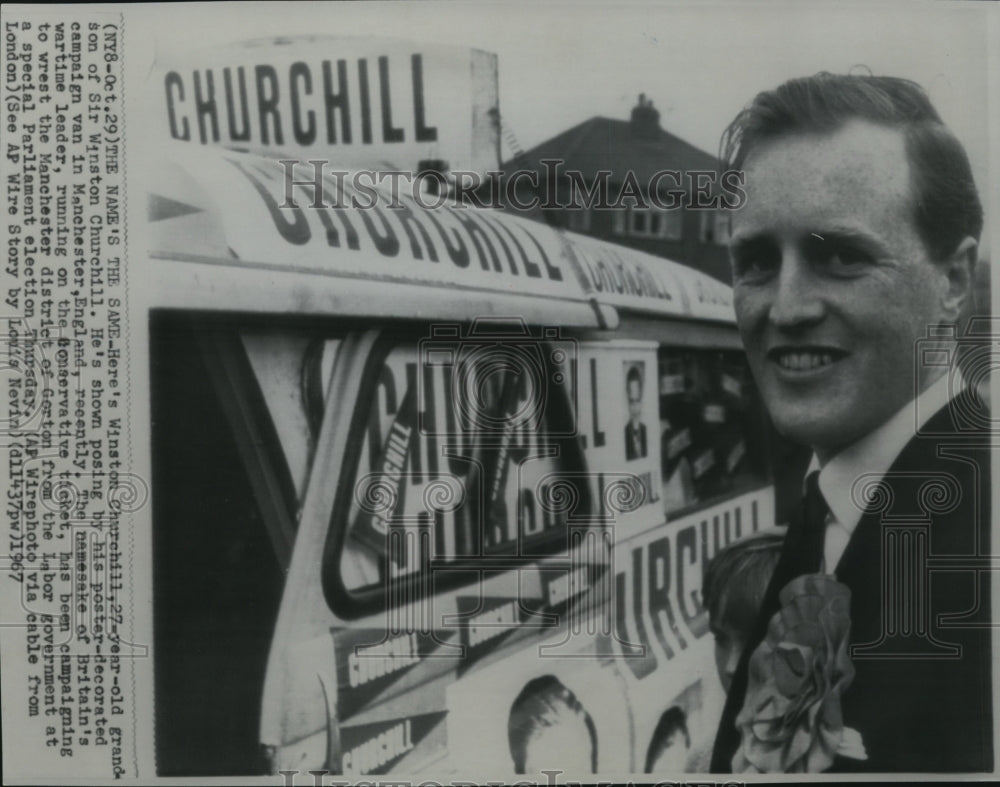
(249,212)
(357,101)
(631,279)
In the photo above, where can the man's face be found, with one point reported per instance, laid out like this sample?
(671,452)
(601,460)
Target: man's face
(832,283)
(672,756)
(565,745)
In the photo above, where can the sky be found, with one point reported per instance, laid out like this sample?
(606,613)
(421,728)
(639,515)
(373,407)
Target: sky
(560,63)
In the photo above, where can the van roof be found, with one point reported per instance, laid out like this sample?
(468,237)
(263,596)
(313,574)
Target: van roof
(242,231)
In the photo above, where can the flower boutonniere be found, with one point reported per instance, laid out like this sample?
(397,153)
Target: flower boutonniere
(791,719)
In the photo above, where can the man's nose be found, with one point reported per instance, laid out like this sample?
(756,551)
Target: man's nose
(797,299)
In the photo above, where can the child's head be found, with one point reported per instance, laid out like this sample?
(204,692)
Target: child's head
(548,725)
(669,745)
(733,589)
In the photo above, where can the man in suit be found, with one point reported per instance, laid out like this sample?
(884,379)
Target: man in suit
(635,429)
(853,255)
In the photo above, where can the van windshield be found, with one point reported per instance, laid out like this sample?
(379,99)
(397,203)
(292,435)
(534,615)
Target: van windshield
(458,458)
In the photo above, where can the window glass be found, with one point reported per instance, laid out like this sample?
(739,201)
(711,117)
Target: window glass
(714,227)
(706,228)
(578,219)
(711,431)
(618,222)
(672,222)
(292,369)
(722,223)
(655,223)
(459,452)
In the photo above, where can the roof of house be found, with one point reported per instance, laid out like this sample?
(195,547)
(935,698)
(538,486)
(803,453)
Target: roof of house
(602,143)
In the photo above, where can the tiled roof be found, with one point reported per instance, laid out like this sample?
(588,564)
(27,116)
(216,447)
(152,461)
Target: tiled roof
(605,144)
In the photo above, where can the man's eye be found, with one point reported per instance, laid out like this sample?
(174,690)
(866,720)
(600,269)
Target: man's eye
(754,267)
(845,260)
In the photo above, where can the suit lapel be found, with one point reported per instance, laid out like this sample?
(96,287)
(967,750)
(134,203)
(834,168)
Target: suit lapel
(863,555)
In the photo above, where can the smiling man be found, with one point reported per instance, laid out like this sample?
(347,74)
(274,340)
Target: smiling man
(857,242)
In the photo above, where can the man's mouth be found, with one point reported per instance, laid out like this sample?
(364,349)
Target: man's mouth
(804,359)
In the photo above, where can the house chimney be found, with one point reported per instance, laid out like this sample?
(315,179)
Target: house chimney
(645,121)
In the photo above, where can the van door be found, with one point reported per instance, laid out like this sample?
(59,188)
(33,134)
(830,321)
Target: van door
(427,491)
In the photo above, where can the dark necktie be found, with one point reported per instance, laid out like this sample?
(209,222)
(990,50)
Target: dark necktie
(802,554)
(813,534)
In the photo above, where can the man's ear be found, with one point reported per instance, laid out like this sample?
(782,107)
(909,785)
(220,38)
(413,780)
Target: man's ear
(959,271)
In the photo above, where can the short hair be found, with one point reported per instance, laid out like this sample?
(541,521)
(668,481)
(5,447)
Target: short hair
(946,203)
(633,374)
(673,720)
(736,578)
(544,702)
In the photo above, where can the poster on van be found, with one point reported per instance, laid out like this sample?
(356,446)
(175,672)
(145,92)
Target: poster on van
(522,716)
(618,418)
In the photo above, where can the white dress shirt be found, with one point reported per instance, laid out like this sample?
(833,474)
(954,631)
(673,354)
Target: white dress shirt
(872,454)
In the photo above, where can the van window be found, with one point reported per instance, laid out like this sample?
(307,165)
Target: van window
(712,432)
(454,456)
(292,369)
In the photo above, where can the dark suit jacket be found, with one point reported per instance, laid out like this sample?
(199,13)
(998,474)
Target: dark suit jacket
(630,452)
(922,696)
